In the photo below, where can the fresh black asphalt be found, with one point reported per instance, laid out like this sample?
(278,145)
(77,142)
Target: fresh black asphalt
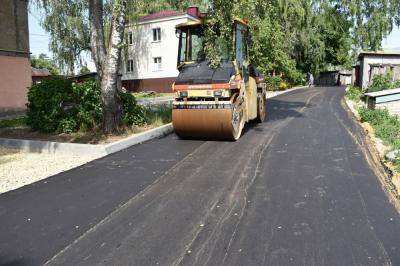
(295,190)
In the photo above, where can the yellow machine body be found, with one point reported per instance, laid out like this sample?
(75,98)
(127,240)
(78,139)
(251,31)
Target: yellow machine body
(215,103)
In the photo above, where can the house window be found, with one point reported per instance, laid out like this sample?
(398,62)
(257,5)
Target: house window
(130,38)
(156,35)
(157,64)
(129,66)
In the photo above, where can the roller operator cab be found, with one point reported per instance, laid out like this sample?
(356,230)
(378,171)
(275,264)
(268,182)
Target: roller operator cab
(215,103)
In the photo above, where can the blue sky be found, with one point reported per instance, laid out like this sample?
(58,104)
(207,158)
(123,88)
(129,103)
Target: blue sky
(39,39)
(393,40)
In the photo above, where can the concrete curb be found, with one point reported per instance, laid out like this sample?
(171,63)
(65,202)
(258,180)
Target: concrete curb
(273,94)
(138,138)
(88,149)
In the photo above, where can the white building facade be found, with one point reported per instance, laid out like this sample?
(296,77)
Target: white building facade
(150,60)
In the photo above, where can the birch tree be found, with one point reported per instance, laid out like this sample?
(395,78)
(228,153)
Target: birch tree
(97,26)
(76,26)
(110,69)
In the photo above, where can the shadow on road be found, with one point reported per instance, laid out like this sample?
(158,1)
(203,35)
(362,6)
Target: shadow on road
(278,110)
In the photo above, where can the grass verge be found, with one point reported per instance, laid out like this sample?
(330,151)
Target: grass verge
(150,95)
(15,123)
(354,93)
(386,127)
(158,116)
(154,117)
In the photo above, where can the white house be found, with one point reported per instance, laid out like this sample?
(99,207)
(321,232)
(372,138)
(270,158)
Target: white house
(150,60)
(373,62)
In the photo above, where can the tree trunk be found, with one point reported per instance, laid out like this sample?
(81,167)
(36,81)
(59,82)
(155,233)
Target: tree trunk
(97,43)
(111,103)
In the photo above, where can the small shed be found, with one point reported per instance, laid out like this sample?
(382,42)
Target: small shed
(345,77)
(389,99)
(84,77)
(376,62)
(38,74)
(327,78)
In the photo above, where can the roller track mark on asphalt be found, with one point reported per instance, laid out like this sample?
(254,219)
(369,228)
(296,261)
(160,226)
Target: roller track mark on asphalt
(116,211)
(214,235)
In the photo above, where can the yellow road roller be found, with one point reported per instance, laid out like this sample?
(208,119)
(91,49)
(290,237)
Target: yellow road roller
(215,103)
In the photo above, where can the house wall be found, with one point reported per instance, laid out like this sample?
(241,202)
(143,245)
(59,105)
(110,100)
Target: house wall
(392,107)
(345,79)
(15,78)
(143,50)
(15,70)
(14,25)
(367,60)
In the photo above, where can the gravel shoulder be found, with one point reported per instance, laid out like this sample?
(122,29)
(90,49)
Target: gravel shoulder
(19,168)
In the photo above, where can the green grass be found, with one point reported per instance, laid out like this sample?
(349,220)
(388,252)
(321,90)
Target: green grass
(158,116)
(17,123)
(354,93)
(146,95)
(386,127)
(153,117)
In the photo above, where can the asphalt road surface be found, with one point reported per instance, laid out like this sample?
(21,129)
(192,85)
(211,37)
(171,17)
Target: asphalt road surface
(295,190)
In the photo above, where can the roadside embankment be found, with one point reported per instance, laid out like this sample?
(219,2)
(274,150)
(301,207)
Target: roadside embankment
(377,130)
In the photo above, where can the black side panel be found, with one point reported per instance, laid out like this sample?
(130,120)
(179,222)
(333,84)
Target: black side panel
(201,73)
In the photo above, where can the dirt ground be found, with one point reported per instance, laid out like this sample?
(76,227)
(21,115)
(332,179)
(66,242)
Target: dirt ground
(19,168)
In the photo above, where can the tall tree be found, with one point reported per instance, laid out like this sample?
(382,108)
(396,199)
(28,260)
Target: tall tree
(42,61)
(318,34)
(110,70)
(77,26)
(66,22)
(97,26)
(289,35)
(372,20)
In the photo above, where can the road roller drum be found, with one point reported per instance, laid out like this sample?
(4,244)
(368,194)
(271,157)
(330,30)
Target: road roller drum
(222,121)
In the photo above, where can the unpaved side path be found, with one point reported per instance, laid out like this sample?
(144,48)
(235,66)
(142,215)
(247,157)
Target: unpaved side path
(20,168)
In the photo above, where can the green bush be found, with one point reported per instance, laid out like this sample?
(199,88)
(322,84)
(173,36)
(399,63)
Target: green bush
(386,126)
(87,107)
(45,104)
(297,79)
(133,114)
(159,115)
(273,83)
(58,105)
(354,93)
(16,123)
(396,84)
(383,82)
